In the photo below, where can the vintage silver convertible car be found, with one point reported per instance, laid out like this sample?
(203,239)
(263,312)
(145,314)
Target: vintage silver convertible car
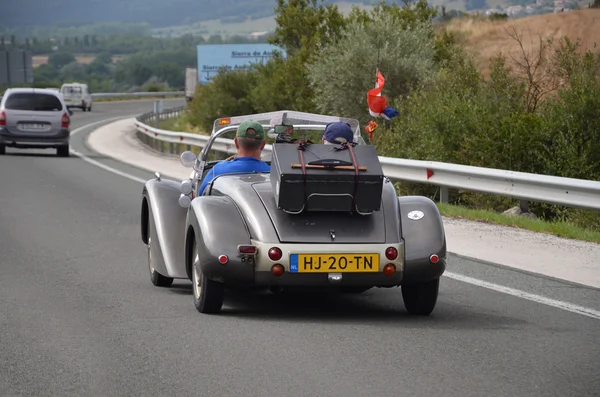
(235,236)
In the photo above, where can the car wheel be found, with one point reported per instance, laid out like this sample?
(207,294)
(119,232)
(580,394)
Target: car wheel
(208,294)
(157,279)
(421,298)
(90,108)
(63,151)
(2,149)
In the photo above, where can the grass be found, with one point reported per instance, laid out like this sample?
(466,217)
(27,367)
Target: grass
(559,229)
(181,124)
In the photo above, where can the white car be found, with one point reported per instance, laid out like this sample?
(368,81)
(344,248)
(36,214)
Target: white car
(77,95)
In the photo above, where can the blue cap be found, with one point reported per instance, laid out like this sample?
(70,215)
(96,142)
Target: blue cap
(338,132)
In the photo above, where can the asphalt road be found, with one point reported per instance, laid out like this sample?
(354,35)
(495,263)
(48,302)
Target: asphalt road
(79,316)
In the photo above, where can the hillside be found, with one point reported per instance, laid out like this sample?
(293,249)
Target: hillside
(178,14)
(487,38)
(157,13)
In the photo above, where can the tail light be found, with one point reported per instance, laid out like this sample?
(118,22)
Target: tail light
(389,269)
(391,253)
(66,121)
(2,118)
(277,270)
(275,254)
(246,249)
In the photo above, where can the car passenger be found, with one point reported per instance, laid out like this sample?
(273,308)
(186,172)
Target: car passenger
(337,133)
(249,142)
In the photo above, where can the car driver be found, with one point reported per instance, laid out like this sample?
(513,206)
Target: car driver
(249,142)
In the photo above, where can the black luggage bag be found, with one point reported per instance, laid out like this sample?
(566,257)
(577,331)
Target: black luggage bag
(319,177)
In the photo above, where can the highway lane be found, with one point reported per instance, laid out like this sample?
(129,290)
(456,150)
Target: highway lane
(79,316)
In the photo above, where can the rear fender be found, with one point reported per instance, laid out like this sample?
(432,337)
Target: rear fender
(163,219)
(423,237)
(218,229)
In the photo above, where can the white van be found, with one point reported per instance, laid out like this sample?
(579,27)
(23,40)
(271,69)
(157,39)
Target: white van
(77,95)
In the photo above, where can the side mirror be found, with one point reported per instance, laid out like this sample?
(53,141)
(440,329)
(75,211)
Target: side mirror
(70,112)
(188,159)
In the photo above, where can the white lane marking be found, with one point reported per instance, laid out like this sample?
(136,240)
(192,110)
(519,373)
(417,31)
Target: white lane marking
(526,295)
(96,163)
(459,277)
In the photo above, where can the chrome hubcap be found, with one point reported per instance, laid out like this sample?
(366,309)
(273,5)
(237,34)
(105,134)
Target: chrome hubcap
(196,273)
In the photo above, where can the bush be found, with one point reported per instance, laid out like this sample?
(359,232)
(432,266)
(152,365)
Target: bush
(228,94)
(343,72)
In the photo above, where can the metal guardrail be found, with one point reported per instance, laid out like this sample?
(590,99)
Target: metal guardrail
(570,192)
(133,95)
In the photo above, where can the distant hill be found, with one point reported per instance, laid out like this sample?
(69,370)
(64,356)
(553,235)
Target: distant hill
(158,13)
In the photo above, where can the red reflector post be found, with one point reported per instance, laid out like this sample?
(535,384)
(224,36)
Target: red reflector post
(434,258)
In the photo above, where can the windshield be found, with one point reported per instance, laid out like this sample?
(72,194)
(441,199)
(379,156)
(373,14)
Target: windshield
(71,90)
(33,102)
(285,117)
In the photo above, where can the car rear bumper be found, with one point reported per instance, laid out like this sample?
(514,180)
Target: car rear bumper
(39,140)
(266,279)
(244,274)
(413,274)
(77,104)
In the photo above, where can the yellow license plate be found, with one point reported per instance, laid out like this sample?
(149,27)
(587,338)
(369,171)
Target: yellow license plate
(334,263)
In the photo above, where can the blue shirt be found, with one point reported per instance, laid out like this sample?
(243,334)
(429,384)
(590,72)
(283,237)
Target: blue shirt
(240,164)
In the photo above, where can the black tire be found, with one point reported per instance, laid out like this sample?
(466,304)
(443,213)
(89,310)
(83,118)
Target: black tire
(2,149)
(157,279)
(208,294)
(90,108)
(420,299)
(62,151)
(83,108)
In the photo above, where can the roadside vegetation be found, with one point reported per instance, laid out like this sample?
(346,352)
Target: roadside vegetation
(537,110)
(124,62)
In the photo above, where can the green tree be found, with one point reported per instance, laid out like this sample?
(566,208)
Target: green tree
(303,26)
(346,70)
(408,16)
(60,59)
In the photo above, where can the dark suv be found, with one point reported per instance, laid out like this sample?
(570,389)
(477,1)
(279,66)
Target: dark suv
(34,118)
